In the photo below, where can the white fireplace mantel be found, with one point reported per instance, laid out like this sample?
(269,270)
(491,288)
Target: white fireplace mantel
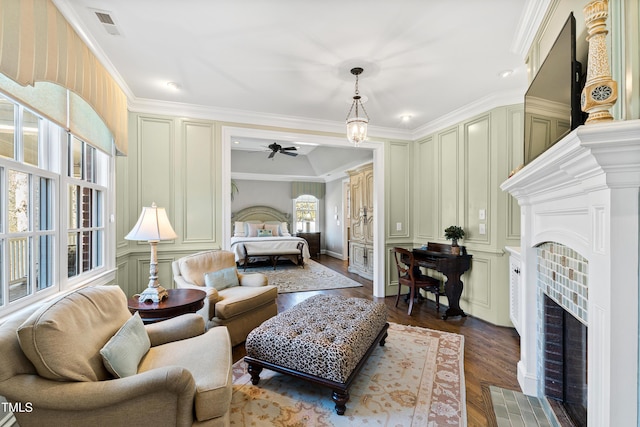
(584,193)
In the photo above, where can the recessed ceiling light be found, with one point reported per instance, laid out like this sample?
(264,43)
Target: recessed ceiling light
(173,85)
(236,142)
(405,118)
(505,73)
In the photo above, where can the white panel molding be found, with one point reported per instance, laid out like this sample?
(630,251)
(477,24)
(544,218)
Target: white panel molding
(479,238)
(513,209)
(599,229)
(170,207)
(185,188)
(479,283)
(425,171)
(400,183)
(440,179)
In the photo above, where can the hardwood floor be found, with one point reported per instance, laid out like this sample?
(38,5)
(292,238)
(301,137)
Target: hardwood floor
(490,352)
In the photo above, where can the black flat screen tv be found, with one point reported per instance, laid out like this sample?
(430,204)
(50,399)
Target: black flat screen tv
(552,102)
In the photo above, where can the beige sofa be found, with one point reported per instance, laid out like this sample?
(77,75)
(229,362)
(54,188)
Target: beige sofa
(52,365)
(239,308)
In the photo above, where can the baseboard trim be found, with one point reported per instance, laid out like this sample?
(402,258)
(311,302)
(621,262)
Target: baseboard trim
(332,254)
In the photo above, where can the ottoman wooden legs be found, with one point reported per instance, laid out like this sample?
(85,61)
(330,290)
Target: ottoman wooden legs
(340,398)
(340,391)
(254,371)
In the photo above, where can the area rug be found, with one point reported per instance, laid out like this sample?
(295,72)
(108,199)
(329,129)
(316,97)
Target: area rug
(313,277)
(416,379)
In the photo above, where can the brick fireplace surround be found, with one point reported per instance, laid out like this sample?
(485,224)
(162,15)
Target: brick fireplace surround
(584,193)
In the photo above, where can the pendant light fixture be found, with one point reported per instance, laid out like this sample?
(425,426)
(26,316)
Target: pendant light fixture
(356,125)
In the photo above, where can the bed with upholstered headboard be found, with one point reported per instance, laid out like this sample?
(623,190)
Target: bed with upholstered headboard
(264,230)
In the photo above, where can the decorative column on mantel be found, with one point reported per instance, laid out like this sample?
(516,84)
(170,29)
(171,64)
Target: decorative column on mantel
(600,91)
(583,193)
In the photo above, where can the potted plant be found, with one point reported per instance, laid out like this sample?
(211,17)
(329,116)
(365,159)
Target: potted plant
(454,233)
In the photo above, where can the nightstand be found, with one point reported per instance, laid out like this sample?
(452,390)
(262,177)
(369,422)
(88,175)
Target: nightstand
(313,239)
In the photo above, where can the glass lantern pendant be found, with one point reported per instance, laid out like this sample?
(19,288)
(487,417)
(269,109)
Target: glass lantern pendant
(357,126)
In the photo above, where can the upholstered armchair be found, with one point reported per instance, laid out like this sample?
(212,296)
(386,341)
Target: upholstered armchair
(240,307)
(84,360)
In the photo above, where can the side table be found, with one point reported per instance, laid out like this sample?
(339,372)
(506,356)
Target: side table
(180,301)
(313,240)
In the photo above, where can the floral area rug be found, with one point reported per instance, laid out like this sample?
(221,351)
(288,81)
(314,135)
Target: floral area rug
(313,277)
(416,379)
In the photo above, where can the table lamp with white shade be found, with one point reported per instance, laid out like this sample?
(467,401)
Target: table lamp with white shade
(153,226)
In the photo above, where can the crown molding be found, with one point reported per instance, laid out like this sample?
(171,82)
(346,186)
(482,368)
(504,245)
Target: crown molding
(152,106)
(530,20)
(470,110)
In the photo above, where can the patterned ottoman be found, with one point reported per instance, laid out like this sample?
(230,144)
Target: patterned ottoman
(325,339)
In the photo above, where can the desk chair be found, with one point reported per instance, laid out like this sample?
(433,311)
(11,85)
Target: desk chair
(409,275)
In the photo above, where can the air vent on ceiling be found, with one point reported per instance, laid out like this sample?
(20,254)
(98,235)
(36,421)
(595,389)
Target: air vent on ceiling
(105,18)
(107,22)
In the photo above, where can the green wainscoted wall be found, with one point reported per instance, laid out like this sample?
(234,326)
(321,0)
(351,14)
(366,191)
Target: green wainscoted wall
(457,174)
(440,180)
(174,162)
(398,207)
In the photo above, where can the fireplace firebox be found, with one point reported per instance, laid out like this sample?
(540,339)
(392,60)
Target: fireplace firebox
(565,361)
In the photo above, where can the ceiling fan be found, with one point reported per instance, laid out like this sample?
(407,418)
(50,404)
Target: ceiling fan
(277,148)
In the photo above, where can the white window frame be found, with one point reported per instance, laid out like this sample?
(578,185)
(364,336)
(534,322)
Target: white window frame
(94,187)
(315,227)
(52,152)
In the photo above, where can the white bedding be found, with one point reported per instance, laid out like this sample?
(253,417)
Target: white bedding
(267,244)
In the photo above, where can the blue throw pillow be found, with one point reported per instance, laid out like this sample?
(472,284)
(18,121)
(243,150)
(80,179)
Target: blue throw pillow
(222,279)
(124,351)
(265,233)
